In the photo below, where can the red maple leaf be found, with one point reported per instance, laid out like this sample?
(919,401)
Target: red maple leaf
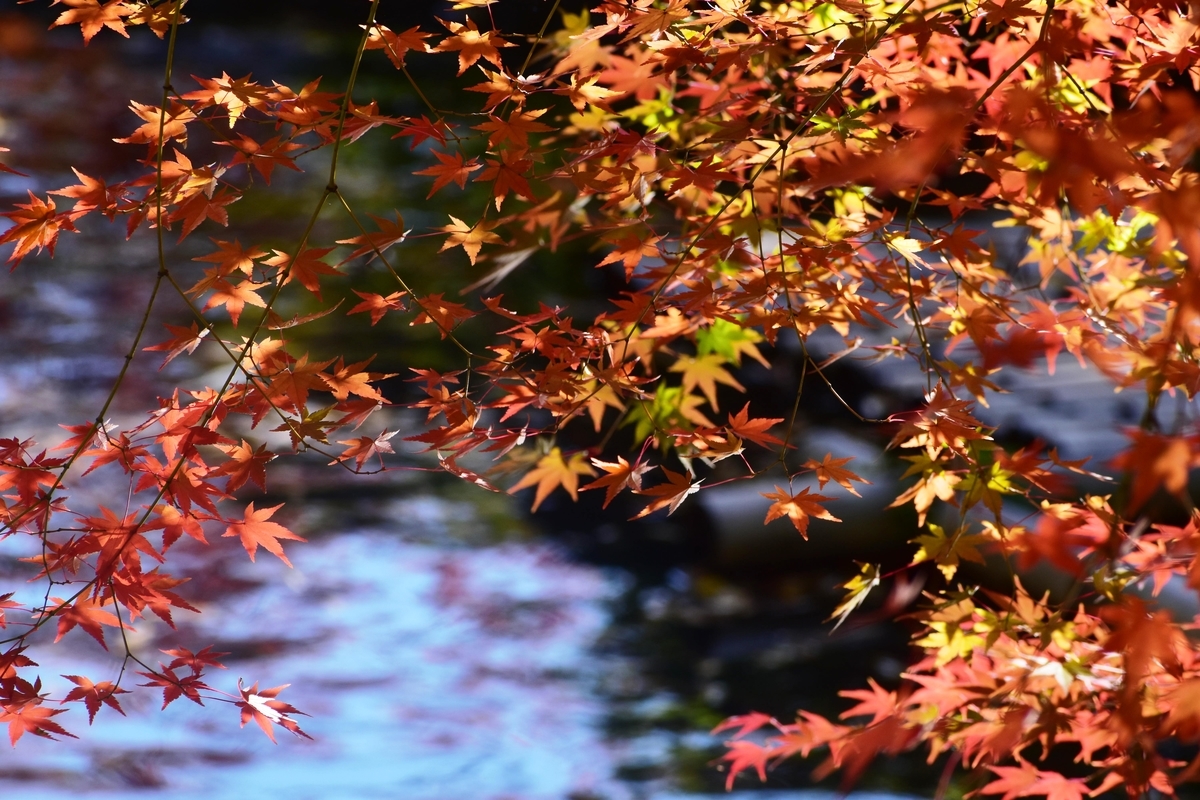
(94,694)
(32,718)
(377,305)
(451,169)
(307,267)
(264,709)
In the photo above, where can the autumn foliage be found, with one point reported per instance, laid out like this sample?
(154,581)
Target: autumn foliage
(753,172)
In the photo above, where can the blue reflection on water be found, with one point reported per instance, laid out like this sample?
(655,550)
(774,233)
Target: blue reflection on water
(429,673)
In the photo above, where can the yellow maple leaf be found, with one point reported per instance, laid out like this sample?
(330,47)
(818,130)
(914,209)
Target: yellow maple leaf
(469,237)
(857,589)
(947,551)
(553,471)
(705,372)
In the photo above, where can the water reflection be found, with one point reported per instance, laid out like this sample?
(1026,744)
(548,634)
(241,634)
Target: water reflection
(430,673)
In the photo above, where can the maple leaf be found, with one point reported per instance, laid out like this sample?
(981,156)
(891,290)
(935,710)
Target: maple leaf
(89,194)
(350,379)
(799,508)
(245,464)
(452,169)
(32,718)
(507,175)
(173,124)
(471,44)
(396,45)
(423,129)
(254,530)
(499,88)
(515,129)
(91,16)
(745,724)
(831,469)
(705,372)
(265,710)
(377,243)
(877,702)
(6,602)
(263,156)
(857,589)
(553,471)
(94,695)
(743,755)
(469,237)
(88,615)
(306,267)
(231,257)
(186,341)
(235,297)
(670,495)
(754,430)
(584,93)
(377,305)
(237,95)
(443,313)
(946,551)
(1154,460)
(1026,780)
(176,686)
(35,225)
(364,447)
(618,475)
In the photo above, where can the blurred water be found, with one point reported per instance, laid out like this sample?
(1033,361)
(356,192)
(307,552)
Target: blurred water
(429,672)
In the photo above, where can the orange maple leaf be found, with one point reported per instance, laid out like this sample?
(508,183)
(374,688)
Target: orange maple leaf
(471,44)
(36,225)
(307,267)
(671,494)
(255,531)
(755,430)
(830,469)
(91,17)
(552,471)
(618,475)
(469,237)
(235,297)
(89,194)
(351,379)
(364,447)
(799,508)
(396,45)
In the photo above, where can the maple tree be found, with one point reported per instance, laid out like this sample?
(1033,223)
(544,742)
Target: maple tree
(754,172)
